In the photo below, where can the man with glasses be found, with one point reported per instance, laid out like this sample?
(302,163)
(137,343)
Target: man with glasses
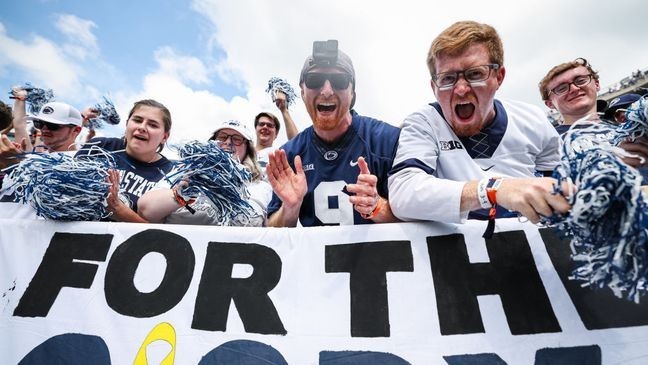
(266,126)
(334,172)
(571,88)
(469,155)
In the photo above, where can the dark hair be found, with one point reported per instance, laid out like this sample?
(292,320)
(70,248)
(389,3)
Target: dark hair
(267,115)
(5,116)
(166,114)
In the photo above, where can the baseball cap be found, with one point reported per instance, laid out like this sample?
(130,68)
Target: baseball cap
(237,126)
(621,102)
(58,113)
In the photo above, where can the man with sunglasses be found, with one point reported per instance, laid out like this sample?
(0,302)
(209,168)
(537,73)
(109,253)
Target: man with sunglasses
(334,172)
(571,88)
(60,124)
(469,155)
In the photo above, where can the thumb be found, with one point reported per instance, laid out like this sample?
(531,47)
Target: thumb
(364,168)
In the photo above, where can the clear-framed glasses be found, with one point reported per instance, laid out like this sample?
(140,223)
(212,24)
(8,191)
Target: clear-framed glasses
(578,81)
(222,137)
(447,80)
(266,124)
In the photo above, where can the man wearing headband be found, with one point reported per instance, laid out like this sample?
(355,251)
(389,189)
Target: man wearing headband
(334,172)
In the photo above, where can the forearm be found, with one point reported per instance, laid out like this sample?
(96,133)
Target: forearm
(291,128)
(284,217)
(20,124)
(122,213)
(156,205)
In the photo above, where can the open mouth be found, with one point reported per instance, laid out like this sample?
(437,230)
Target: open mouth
(464,111)
(325,107)
(140,138)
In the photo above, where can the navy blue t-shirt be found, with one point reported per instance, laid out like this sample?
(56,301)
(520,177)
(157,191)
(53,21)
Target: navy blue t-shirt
(137,177)
(329,167)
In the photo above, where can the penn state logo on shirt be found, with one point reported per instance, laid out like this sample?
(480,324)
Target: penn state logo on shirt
(330,155)
(47,110)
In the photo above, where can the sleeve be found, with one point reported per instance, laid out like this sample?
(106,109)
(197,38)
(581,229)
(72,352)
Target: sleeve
(260,195)
(549,156)
(415,193)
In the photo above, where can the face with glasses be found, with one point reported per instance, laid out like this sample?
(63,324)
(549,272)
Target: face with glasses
(57,137)
(231,140)
(465,85)
(327,93)
(573,93)
(266,131)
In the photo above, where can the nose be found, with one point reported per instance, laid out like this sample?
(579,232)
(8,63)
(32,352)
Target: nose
(327,88)
(462,86)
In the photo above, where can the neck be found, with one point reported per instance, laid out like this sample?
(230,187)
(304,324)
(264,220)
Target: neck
(147,157)
(330,136)
(261,145)
(574,117)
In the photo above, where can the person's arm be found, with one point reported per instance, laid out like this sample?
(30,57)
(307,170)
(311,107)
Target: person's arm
(290,186)
(156,205)
(637,152)
(19,121)
(8,151)
(366,200)
(282,105)
(87,114)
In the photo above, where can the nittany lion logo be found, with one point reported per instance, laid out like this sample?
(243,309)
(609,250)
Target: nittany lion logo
(330,155)
(47,110)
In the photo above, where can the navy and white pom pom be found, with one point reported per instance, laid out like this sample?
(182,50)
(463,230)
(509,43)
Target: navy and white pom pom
(107,114)
(60,187)
(636,124)
(608,222)
(36,97)
(214,174)
(278,84)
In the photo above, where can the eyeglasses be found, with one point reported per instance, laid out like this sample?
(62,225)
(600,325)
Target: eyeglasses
(39,124)
(266,124)
(578,81)
(447,80)
(222,137)
(315,80)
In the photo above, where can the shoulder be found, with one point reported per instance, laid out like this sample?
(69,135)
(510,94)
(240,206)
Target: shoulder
(300,143)
(374,129)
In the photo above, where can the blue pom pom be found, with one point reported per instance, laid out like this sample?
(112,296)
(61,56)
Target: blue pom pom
(636,124)
(608,222)
(213,173)
(60,187)
(107,114)
(36,97)
(277,84)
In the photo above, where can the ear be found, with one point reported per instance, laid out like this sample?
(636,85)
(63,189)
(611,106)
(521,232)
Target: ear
(501,72)
(302,91)
(549,104)
(434,89)
(598,85)
(166,136)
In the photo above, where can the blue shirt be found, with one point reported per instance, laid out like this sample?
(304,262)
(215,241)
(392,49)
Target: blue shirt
(329,167)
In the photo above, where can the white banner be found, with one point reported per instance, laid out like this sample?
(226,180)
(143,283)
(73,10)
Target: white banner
(418,293)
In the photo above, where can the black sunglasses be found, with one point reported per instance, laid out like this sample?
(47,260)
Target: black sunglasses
(39,124)
(315,80)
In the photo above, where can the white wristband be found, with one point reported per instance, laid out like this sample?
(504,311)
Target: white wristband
(481,194)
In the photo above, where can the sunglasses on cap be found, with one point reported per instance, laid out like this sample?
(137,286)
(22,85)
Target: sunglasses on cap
(39,124)
(315,80)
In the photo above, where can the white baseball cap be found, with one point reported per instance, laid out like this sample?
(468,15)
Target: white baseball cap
(237,126)
(58,113)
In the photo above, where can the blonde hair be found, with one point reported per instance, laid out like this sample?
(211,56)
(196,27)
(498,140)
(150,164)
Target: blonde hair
(461,35)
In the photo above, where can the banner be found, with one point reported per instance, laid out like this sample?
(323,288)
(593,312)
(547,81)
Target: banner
(407,293)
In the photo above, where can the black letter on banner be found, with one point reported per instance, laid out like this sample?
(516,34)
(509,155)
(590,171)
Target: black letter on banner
(217,288)
(598,308)
(121,293)
(368,264)
(511,273)
(475,359)
(360,358)
(579,355)
(58,269)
